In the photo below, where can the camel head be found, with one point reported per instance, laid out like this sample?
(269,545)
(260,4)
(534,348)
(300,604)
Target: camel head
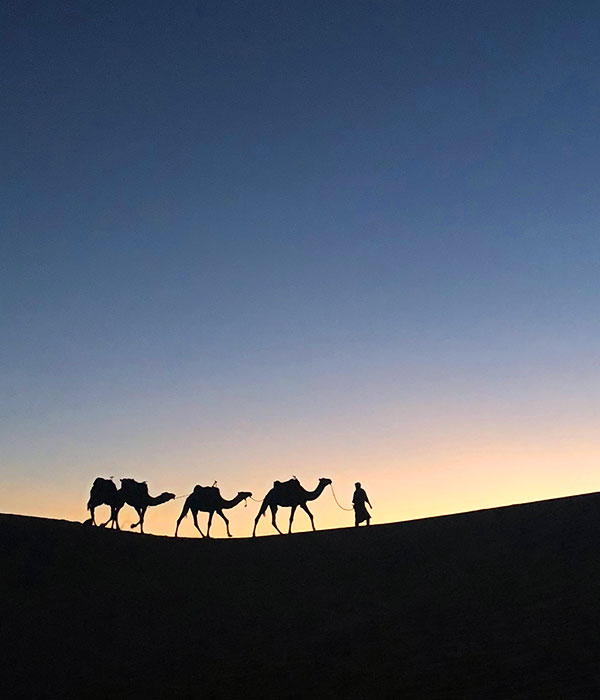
(324,481)
(244,494)
(158,500)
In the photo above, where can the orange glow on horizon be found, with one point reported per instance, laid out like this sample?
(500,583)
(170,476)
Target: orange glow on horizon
(422,484)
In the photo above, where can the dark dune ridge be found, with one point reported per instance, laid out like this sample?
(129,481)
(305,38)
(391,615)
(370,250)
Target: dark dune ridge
(501,603)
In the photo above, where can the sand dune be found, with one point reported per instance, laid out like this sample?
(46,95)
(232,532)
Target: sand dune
(502,603)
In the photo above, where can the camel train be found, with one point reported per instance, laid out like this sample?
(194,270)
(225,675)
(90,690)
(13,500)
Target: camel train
(133,493)
(207,499)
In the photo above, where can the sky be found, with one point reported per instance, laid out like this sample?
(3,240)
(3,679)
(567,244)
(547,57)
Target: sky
(242,241)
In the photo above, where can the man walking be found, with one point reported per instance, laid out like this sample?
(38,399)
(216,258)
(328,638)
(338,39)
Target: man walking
(359,499)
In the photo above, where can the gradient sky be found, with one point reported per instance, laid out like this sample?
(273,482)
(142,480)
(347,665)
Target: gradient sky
(245,240)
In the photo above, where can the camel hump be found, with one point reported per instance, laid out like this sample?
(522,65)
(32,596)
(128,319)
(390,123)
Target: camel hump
(102,486)
(99,481)
(290,483)
(288,488)
(133,487)
(207,490)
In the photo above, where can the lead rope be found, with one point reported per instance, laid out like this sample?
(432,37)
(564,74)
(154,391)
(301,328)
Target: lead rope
(336,500)
(256,500)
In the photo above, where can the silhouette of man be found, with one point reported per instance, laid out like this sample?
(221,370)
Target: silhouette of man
(359,499)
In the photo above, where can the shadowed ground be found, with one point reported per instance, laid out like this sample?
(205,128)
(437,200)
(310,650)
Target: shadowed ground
(502,603)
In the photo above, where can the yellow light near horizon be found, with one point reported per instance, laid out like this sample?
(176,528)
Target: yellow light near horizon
(457,475)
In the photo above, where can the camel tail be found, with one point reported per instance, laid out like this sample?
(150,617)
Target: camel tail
(264,506)
(185,511)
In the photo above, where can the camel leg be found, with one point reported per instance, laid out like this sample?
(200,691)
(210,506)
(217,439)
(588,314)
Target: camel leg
(310,515)
(220,512)
(263,508)
(273,513)
(292,511)
(114,514)
(140,522)
(108,521)
(92,510)
(184,512)
(210,517)
(195,517)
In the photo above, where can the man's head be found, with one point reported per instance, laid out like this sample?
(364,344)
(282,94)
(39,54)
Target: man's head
(357,484)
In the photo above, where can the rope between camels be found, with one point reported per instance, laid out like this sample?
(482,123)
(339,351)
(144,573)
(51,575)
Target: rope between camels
(256,500)
(336,500)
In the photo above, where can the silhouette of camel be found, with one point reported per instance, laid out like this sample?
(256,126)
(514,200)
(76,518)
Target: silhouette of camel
(289,494)
(105,492)
(135,494)
(208,499)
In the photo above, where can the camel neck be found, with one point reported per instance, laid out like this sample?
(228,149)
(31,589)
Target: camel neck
(233,502)
(311,495)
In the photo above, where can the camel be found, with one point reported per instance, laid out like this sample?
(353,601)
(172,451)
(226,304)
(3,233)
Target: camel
(135,494)
(289,494)
(105,492)
(208,499)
